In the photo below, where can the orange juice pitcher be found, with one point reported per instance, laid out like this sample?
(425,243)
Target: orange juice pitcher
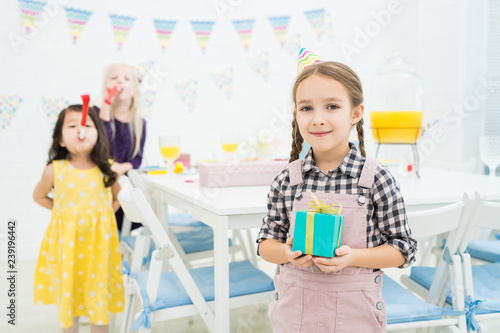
(396,103)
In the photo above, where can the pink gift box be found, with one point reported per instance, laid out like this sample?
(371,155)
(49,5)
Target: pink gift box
(246,173)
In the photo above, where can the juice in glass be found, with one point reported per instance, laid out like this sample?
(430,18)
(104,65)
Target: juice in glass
(396,126)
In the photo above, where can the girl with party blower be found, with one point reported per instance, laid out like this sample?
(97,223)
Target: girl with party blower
(125,128)
(78,267)
(342,293)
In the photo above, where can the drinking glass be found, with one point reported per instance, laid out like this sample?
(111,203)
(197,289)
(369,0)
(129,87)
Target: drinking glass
(170,148)
(489,150)
(229,143)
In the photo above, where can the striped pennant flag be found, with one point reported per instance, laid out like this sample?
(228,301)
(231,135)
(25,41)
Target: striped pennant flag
(202,30)
(164,30)
(306,59)
(280,25)
(317,20)
(30,10)
(77,19)
(121,27)
(9,104)
(244,29)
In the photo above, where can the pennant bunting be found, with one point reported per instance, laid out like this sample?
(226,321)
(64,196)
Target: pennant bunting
(224,80)
(317,20)
(244,29)
(187,91)
(164,30)
(292,45)
(142,70)
(30,10)
(260,64)
(9,104)
(280,25)
(52,106)
(121,28)
(202,30)
(328,28)
(148,98)
(77,19)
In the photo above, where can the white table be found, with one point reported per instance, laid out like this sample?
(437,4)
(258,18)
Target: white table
(232,208)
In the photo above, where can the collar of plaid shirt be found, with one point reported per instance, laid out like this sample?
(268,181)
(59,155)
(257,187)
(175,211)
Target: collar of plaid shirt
(351,165)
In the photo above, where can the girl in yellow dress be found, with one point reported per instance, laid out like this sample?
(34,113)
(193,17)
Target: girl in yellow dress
(78,267)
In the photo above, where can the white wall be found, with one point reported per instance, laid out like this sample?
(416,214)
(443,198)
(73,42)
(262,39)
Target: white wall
(49,64)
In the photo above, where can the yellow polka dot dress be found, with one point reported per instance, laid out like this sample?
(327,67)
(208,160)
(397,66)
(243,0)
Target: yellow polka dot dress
(79,265)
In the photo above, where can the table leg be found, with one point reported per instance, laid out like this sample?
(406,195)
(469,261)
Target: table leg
(221,267)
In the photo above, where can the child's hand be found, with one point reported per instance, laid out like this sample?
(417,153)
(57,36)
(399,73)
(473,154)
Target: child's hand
(295,257)
(344,256)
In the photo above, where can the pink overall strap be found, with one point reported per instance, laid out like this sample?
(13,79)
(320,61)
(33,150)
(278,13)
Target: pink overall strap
(295,171)
(368,172)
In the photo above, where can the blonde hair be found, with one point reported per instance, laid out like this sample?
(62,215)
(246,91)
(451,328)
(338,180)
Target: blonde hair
(352,84)
(135,126)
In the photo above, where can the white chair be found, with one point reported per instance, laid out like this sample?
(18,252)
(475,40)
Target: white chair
(447,276)
(195,242)
(182,292)
(482,282)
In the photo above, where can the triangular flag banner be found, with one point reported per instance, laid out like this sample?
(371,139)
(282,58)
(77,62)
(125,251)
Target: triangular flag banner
(187,91)
(141,70)
(317,20)
(292,45)
(148,99)
(77,19)
(52,106)
(306,59)
(164,29)
(244,29)
(260,64)
(121,27)
(328,27)
(202,30)
(30,10)
(280,25)
(224,80)
(8,107)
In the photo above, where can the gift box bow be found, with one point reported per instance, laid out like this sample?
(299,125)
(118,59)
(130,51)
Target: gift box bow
(319,206)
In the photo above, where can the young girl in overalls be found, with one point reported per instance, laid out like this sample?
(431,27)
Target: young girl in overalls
(343,293)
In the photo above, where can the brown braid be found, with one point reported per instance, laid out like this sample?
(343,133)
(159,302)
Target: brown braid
(361,137)
(297,141)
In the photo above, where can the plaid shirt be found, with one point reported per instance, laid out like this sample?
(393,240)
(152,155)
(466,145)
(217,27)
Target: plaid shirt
(386,219)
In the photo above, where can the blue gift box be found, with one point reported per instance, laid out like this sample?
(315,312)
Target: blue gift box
(317,234)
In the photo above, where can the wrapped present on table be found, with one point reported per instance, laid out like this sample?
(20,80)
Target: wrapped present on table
(244,173)
(318,231)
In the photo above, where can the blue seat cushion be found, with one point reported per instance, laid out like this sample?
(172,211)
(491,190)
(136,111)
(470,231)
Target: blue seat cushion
(485,281)
(191,241)
(180,219)
(244,279)
(403,307)
(485,249)
(196,240)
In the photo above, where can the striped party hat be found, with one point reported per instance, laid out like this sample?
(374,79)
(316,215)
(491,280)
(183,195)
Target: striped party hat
(306,59)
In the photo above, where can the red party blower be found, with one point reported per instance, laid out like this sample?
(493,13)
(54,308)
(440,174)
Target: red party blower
(112,94)
(85,111)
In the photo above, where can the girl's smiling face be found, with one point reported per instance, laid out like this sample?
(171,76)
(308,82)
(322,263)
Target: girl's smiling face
(324,115)
(71,132)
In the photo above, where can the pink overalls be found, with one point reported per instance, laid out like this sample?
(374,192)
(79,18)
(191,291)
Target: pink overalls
(348,301)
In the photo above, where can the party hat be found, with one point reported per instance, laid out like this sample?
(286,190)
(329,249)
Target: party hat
(306,59)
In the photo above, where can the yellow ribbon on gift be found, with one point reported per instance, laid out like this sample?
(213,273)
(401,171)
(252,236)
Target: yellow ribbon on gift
(318,207)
